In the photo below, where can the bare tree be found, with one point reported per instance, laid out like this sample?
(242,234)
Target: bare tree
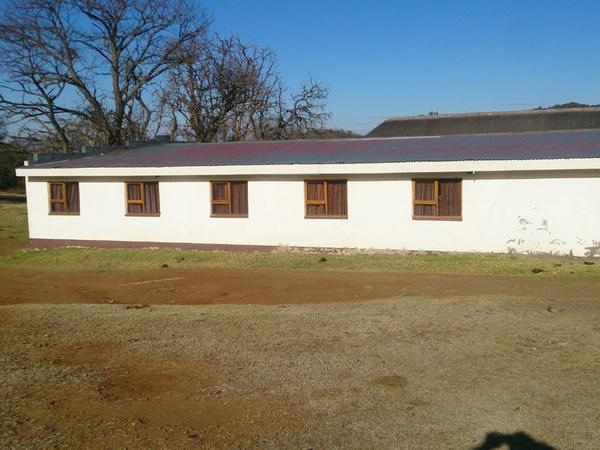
(304,113)
(68,62)
(225,90)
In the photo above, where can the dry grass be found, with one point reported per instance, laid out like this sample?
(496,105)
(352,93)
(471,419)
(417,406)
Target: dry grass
(407,373)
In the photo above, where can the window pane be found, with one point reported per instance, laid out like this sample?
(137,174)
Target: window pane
(239,197)
(220,209)
(151,198)
(450,198)
(337,198)
(425,190)
(57,207)
(56,191)
(73,197)
(314,190)
(135,209)
(315,210)
(219,191)
(425,210)
(134,191)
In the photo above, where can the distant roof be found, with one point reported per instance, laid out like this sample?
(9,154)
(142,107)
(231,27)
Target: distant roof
(509,146)
(490,122)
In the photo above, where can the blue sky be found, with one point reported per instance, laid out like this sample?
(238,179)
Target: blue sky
(382,59)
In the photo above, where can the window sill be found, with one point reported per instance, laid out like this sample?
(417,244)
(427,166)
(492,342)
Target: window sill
(63,214)
(442,218)
(326,217)
(229,216)
(141,215)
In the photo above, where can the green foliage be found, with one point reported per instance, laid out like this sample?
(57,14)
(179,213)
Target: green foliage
(568,105)
(9,160)
(328,133)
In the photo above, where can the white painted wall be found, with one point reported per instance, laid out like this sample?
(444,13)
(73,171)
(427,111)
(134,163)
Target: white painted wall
(525,212)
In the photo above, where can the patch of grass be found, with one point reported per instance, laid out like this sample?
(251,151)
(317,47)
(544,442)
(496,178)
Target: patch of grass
(14,223)
(13,227)
(135,259)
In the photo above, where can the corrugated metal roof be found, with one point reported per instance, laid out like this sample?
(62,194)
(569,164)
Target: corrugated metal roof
(509,146)
(490,122)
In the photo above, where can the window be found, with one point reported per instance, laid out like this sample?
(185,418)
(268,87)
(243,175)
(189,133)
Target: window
(326,198)
(64,197)
(229,198)
(142,198)
(439,199)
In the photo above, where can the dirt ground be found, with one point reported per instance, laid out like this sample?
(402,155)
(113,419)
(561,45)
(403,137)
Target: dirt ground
(319,360)
(266,287)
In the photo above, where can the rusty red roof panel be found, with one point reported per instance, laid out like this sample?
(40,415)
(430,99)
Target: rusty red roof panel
(506,146)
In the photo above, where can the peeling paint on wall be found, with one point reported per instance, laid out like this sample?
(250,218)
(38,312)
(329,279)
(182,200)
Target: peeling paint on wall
(557,242)
(535,236)
(593,250)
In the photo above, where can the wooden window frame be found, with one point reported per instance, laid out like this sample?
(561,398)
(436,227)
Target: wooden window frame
(435,201)
(139,202)
(64,201)
(325,201)
(228,201)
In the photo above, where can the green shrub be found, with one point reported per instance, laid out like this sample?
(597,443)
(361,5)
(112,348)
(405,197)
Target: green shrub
(9,161)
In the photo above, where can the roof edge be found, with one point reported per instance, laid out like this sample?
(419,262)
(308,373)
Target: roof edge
(389,168)
(493,113)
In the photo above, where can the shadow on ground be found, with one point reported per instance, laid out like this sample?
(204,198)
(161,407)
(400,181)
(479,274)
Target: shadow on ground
(514,441)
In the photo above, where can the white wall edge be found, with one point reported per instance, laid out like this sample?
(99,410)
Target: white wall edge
(318,169)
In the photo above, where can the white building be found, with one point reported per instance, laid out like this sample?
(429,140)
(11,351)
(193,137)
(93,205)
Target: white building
(522,192)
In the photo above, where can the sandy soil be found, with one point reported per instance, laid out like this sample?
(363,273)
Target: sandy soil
(442,362)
